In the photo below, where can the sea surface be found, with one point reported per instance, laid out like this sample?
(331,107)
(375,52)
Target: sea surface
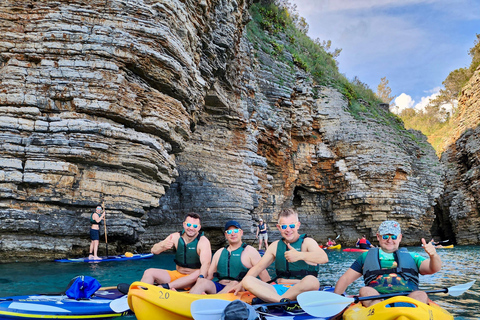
(460,265)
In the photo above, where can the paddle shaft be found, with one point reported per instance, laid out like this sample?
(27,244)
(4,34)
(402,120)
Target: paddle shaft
(105,226)
(396,294)
(275,304)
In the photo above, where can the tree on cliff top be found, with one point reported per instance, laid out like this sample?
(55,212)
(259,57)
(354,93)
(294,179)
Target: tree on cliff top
(384,91)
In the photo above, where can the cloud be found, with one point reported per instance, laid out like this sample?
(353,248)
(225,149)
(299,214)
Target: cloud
(424,101)
(414,43)
(402,102)
(405,101)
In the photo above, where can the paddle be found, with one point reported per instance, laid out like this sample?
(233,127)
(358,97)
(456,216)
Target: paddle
(212,309)
(120,305)
(208,309)
(105,225)
(327,304)
(337,237)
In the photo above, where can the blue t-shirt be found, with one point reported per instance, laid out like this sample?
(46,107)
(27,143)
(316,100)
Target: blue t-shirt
(391,282)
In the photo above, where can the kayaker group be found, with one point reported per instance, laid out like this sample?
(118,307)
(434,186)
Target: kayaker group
(296,259)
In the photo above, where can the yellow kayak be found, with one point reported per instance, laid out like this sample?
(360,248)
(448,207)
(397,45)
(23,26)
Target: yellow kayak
(337,247)
(445,247)
(397,308)
(150,302)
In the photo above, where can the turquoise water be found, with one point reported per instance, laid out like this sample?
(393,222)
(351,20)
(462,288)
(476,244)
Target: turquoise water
(459,266)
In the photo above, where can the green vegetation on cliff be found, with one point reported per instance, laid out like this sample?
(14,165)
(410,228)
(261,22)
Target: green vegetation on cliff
(277,30)
(434,121)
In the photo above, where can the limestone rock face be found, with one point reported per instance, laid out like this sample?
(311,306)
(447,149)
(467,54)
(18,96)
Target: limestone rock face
(280,146)
(458,206)
(159,108)
(96,98)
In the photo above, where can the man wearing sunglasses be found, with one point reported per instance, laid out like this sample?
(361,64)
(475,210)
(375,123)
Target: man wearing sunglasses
(389,269)
(230,264)
(192,257)
(296,259)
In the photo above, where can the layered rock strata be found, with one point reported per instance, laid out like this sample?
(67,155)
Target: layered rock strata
(159,108)
(459,205)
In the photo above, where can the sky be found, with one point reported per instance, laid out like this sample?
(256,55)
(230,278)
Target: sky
(415,44)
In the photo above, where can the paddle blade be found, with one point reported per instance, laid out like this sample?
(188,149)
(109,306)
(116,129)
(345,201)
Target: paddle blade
(208,309)
(460,289)
(120,305)
(323,304)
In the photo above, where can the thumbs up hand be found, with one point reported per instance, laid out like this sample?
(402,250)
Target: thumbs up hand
(292,255)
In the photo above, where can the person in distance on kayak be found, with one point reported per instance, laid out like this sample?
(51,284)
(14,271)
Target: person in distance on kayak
(364,243)
(331,243)
(193,255)
(389,269)
(95,220)
(230,264)
(296,258)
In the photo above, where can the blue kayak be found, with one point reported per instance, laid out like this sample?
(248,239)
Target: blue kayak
(105,304)
(109,258)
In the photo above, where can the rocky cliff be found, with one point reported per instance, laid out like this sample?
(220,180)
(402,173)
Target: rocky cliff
(459,205)
(158,108)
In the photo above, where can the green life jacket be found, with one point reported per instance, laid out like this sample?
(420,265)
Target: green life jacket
(406,267)
(186,255)
(230,264)
(92,221)
(293,270)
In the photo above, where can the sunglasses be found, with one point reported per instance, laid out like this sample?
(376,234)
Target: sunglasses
(292,226)
(386,237)
(194,225)
(232,231)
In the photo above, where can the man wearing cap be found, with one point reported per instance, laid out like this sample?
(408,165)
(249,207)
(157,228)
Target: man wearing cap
(230,264)
(389,269)
(262,234)
(296,257)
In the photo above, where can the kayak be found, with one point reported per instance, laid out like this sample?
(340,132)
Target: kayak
(336,247)
(445,247)
(62,307)
(110,258)
(397,308)
(150,302)
(355,250)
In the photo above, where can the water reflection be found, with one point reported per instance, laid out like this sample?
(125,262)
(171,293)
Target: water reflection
(459,266)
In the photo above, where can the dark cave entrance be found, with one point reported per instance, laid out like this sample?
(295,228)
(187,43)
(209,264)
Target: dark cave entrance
(442,227)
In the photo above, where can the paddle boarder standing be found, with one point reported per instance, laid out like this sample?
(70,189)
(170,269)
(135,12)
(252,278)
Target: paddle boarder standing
(262,234)
(230,264)
(297,258)
(95,220)
(192,257)
(389,269)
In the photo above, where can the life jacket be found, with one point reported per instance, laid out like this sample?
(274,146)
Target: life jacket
(406,267)
(293,270)
(92,221)
(230,264)
(362,243)
(186,255)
